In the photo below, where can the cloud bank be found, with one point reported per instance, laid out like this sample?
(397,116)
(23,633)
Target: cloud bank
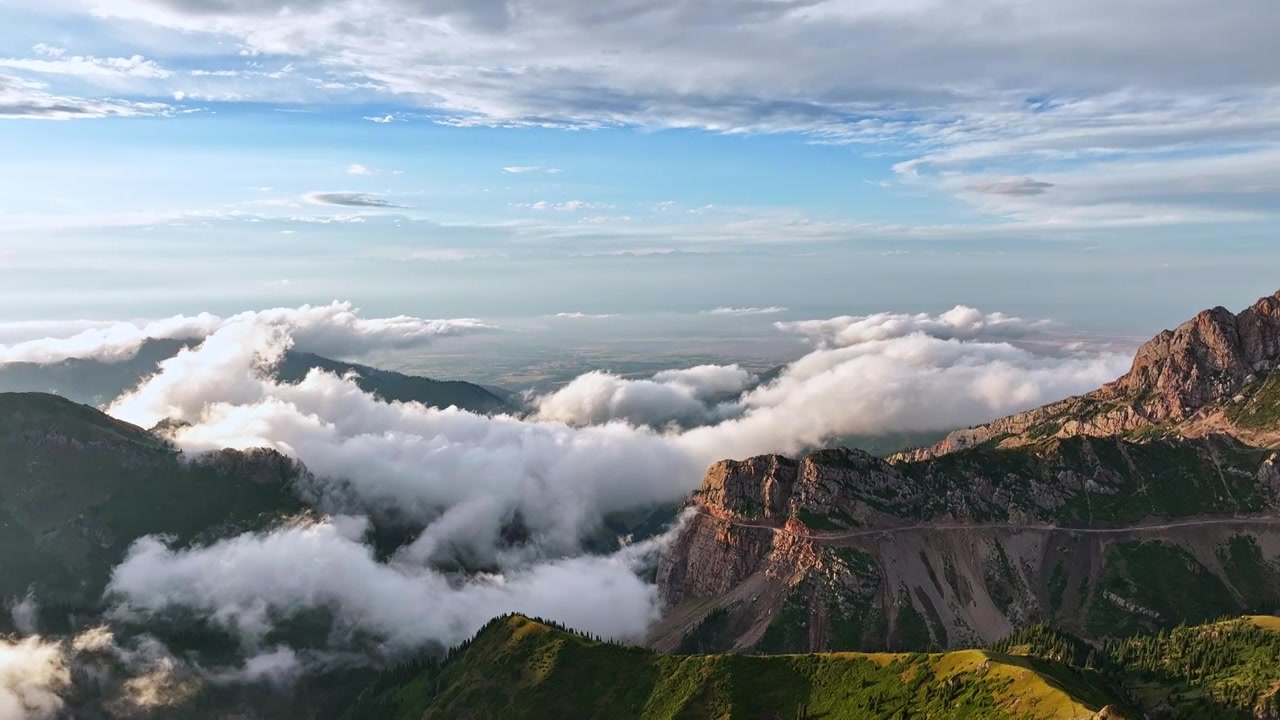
(670,396)
(336,329)
(600,445)
(250,582)
(958,323)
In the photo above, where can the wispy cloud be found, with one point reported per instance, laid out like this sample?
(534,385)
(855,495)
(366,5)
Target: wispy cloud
(583,316)
(564,206)
(349,199)
(521,169)
(771,310)
(358,169)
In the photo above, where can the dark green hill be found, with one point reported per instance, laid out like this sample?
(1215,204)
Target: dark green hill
(98,382)
(394,386)
(77,487)
(521,668)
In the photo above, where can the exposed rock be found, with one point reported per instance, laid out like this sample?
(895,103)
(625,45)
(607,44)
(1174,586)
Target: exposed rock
(1181,381)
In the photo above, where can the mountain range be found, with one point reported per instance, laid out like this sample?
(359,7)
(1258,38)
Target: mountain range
(1076,560)
(98,382)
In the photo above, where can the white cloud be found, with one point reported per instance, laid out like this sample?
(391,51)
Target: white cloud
(335,329)
(33,673)
(584,316)
(56,61)
(771,310)
(358,169)
(521,169)
(565,206)
(384,119)
(960,322)
(23,99)
(686,395)
(248,582)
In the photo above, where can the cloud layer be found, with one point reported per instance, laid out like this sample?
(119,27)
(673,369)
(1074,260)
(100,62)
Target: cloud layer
(600,445)
(336,330)
(250,582)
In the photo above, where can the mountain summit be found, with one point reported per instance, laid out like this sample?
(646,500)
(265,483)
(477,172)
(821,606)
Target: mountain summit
(1215,373)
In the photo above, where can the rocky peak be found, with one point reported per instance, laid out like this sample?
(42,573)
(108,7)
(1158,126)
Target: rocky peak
(758,487)
(1182,382)
(1207,358)
(263,466)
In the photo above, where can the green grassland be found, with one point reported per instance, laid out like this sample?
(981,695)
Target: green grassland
(517,667)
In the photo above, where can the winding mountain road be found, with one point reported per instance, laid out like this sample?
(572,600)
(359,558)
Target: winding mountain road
(835,537)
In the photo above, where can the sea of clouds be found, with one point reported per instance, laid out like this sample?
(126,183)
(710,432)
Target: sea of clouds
(599,445)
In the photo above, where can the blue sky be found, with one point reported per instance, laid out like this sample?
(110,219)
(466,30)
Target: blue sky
(521,159)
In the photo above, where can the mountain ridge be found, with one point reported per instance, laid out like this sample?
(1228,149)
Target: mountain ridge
(1199,378)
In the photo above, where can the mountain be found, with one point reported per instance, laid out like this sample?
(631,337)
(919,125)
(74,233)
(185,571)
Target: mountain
(1156,505)
(394,386)
(516,667)
(78,486)
(95,382)
(98,382)
(843,551)
(1215,373)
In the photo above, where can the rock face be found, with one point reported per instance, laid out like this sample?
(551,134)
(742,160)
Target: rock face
(844,551)
(1198,378)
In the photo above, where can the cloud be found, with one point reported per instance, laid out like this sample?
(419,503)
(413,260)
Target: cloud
(521,169)
(21,99)
(384,119)
(452,255)
(249,582)
(566,206)
(671,396)
(335,329)
(56,61)
(349,199)
(358,169)
(1013,186)
(960,322)
(33,673)
(771,310)
(584,316)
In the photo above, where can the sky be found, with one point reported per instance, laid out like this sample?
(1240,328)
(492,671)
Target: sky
(1111,165)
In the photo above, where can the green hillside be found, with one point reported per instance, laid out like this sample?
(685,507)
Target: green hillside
(521,668)
(77,487)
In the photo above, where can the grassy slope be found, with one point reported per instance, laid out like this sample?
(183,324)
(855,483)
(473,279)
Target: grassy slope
(77,487)
(520,668)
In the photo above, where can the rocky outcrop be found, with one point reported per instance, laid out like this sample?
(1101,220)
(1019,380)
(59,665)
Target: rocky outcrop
(261,466)
(1183,381)
(963,549)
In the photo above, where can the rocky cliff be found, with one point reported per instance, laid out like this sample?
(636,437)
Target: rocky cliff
(841,550)
(1212,374)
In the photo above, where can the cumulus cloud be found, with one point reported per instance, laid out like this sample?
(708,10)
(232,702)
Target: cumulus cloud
(960,322)
(33,673)
(336,329)
(670,396)
(906,383)
(771,310)
(349,199)
(249,582)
